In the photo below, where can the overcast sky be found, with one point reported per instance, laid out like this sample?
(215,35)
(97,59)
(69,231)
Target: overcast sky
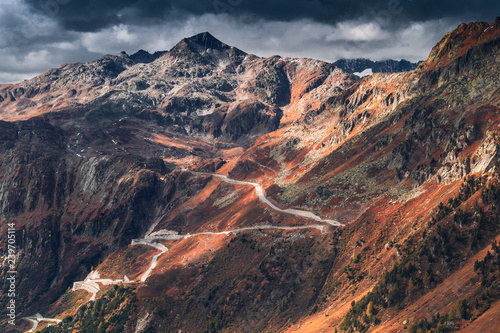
(36,35)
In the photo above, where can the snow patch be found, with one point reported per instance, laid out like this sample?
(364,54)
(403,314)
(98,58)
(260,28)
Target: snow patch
(364,73)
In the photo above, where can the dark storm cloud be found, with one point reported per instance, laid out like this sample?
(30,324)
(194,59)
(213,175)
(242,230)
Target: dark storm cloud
(36,35)
(92,15)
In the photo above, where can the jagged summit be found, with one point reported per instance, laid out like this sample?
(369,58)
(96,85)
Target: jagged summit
(200,44)
(204,43)
(143,56)
(206,40)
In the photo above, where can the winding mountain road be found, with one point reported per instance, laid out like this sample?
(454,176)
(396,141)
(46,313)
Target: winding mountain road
(91,285)
(262,197)
(34,322)
(164,234)
(37,318)
(158,246)
(92,288)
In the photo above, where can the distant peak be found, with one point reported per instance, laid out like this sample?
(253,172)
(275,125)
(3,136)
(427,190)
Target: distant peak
(204,37)
(205,40)
(143,56)
(141,51)
(201,44)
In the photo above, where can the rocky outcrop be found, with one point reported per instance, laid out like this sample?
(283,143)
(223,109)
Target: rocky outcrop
(249,117)
(486,156)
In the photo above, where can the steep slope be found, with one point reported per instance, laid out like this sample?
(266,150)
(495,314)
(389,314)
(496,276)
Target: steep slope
(400,129)
(390,148)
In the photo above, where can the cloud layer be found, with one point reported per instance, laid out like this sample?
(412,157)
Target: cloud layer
(41,34)
(93,15)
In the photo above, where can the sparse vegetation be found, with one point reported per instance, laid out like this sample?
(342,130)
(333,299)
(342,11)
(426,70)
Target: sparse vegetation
(109,314)
(450,229)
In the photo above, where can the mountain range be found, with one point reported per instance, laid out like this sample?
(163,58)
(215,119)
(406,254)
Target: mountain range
(382,66)
(205,189)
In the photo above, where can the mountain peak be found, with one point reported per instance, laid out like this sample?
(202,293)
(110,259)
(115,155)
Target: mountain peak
(199,43)
(204,44)
(143,56)
(206,40)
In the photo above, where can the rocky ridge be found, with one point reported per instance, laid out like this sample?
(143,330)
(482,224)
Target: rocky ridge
(381,66)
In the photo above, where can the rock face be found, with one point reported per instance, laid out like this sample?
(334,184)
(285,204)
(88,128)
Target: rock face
(92,156)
